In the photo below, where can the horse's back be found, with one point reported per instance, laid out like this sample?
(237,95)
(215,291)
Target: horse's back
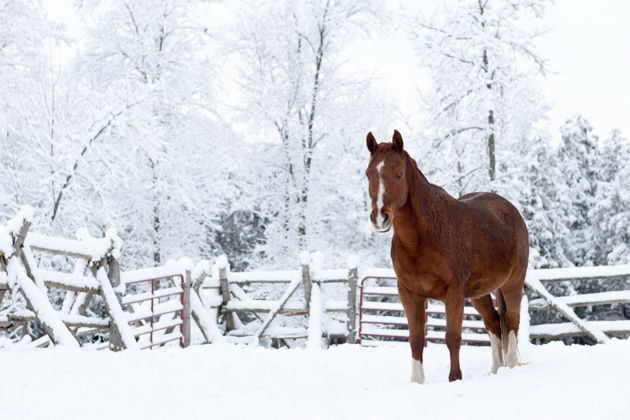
(493,219)
(493,207)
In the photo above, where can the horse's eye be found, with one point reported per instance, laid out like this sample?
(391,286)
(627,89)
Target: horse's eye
(400,174)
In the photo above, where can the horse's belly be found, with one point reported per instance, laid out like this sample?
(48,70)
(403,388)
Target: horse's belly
(422,284)
(481,286)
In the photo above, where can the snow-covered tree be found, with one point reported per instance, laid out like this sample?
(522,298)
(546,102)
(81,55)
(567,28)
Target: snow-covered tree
(307,115)
(147,58)
(482,58)
(579,160)
(24,135)
(542,202)
(610,213)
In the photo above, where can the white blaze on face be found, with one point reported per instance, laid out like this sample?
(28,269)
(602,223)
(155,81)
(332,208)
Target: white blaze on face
(381,193)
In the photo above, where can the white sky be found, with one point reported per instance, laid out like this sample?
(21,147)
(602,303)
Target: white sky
(588,49)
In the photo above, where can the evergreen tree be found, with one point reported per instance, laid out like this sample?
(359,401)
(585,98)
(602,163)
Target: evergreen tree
(610,214)
(541,204)
(578,160)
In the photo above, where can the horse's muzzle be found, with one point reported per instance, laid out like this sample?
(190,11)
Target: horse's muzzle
(385,222)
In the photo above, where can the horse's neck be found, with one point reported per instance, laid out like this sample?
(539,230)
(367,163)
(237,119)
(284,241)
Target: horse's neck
(412,221)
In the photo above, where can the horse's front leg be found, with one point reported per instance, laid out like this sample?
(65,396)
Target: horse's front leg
(454,303)
(416,319)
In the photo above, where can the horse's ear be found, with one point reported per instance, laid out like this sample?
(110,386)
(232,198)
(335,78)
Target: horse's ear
(371,143)
(398,141)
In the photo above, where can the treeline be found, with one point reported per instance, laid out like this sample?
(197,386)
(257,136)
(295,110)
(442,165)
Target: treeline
(198,129)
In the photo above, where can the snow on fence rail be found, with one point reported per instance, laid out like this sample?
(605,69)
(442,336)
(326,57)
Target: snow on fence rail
(229,298)
(382,321)
(598,330)
(222,307)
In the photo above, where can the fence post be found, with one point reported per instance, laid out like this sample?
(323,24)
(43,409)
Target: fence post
(113,273)
(199,282)
(523,328)
(186,311)
(222,263)
(351,311)
(306,277)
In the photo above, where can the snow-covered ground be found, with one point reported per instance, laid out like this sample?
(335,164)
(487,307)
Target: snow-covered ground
(229,382)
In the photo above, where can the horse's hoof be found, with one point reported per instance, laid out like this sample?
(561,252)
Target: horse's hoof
(455,377)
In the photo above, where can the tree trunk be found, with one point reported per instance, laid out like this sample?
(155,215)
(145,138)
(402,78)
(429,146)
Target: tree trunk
(491,155)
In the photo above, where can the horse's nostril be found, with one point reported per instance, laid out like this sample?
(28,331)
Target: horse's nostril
(385,217)
(372,219)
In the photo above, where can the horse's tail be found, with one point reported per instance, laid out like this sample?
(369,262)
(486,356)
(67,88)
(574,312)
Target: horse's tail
(503,321)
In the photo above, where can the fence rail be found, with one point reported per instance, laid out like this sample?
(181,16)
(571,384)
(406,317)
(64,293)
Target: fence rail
(222,307)
(381,322)
(598,330)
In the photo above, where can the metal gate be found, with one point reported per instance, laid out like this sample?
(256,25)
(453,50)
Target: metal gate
(382,320)
(157,308)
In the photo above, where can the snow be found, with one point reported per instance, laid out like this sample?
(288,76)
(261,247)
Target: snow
(535,284)
(161,308)
(570,329)
(586,299)
(208,323)
(353,261)
(116,312)
(315,319)
(222,262)
(93,248)
(45,312)
(228,381)
(12,227)
(115,242)
(170,270)
(572,273)
(202,267)
(334,275)
(275,308)
(72,280)
(377,272)
(140,297)
(25,214)
(263,276)
(79,319)
(545,275)
(305,258)
(6,242)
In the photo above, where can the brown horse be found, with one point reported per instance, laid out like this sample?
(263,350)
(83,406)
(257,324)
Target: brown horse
(449,249)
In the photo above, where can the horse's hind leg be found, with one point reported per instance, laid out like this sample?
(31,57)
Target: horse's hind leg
(511,293)
(492,322)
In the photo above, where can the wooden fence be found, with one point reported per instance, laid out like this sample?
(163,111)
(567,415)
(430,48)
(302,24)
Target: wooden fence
(228,297)
(133,320)
(152,307)
(597,330)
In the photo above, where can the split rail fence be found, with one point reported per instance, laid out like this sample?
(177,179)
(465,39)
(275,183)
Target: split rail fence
(159,306)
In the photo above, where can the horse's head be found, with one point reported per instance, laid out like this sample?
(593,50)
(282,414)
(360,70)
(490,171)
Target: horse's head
(388,181)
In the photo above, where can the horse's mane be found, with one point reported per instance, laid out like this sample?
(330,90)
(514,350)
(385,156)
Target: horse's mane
(432,203)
